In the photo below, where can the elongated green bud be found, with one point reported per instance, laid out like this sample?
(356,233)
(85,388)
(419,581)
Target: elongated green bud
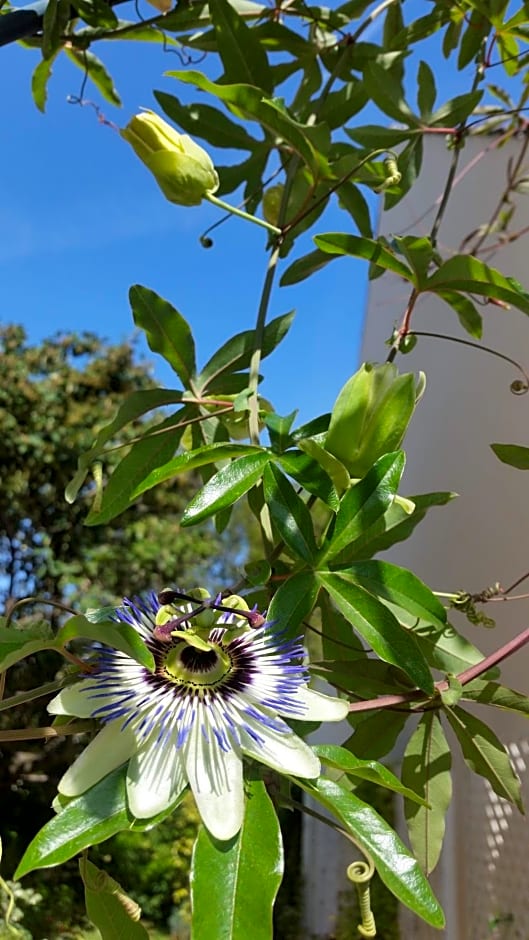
(183,170)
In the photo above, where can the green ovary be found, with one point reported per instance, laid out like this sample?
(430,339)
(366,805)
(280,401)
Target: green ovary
(187,664)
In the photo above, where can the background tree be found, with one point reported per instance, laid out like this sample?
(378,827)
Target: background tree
(51,395)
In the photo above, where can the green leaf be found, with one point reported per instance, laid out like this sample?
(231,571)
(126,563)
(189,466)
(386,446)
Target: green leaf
(279,427)
(108,907)
(303,267)
(469,318)
(512,454)
(55,21)
(135,405)
(351,198)
(91,65)
(86,820)
(426,90)
(418,251)
(226,487)
(478,27)
(492,693)
(396,525)
(289,514)
(16,644)
(243,55)
(456,110)
(311,475)
(340,106)
(375,137)
(338,243)
(363,675)
(426,769)
(398,869)
(152,451)
(248,102)
(96,13)
(234,884)
(387,94)
(375,734)
(120,636)
(167,331)
(200,457)
(365,502)
(198,17)
(342,759)
(201,120)
(485,754)
(40,79)
(444,649)
(293,602)
(328,462)
(465,273)
(377,625)
(401,587)
(237,352)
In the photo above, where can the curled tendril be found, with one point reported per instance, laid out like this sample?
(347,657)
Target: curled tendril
(518,387)
(361,873)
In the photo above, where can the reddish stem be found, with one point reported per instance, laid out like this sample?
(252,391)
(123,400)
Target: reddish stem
(389,701)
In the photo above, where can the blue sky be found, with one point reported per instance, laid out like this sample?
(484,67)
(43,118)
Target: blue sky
(81,220)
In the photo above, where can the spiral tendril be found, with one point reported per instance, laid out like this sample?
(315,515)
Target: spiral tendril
(360,873)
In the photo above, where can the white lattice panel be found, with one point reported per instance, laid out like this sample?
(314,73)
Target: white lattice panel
(487,862)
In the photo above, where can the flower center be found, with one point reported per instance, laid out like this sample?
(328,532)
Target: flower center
(185,663)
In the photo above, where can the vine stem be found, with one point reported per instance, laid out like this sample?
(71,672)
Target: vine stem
(511,181)
(36,734)
(449,184)
(255,361)
(473,672)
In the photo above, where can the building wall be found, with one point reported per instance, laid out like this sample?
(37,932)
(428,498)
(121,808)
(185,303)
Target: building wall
(481,537)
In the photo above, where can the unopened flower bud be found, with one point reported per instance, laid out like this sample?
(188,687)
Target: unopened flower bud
(183,170)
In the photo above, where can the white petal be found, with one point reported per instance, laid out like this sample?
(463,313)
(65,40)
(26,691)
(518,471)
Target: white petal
(284,752)
(155,777)
(215,777)
(73,701)
(109,749)
(322,707)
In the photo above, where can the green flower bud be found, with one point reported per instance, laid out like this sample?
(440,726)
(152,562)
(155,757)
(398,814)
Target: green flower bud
(371,415)
(183,170)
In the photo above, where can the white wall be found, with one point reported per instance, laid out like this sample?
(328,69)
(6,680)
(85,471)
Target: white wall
(483,536)
(478,539)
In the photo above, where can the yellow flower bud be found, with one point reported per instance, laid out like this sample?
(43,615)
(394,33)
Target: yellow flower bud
(183,170)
